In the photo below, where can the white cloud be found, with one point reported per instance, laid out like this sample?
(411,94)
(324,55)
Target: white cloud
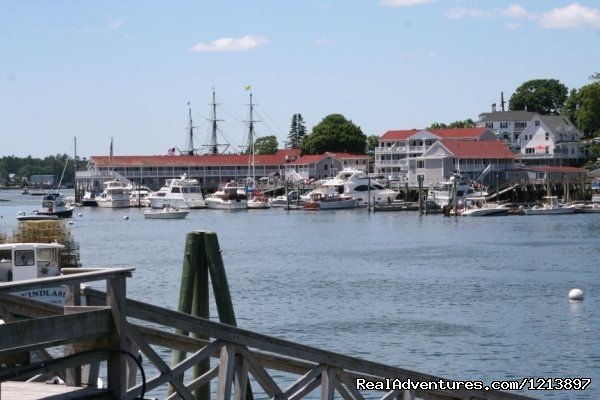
(245,43)
(511,25)
(571,16)
(515,11)
(457,13)
(404,3)
(115,23)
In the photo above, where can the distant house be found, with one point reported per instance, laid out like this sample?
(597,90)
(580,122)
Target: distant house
(43,180)
(316,166)
(397,147)
(539,139)
(475,160)
(556,174)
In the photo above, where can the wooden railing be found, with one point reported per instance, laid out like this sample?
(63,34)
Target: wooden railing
(110,325)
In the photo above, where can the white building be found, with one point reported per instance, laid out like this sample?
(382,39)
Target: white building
(397,148)
(539,139)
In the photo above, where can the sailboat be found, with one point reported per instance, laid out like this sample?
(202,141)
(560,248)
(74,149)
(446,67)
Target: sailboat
(256,199)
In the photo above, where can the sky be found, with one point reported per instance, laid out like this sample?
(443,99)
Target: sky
(126,70)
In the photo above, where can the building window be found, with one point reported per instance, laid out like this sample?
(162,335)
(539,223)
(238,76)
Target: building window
(420,164)
(489,125)
(503,125)
(547,136)
(547,149)
(537,123)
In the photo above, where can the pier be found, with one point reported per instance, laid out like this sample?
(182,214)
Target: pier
(112,329)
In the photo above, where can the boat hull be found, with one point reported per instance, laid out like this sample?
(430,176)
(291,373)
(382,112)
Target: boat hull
(180,214)
(227,204)
(549,211)
(330,205)
(161,202)
(124,203)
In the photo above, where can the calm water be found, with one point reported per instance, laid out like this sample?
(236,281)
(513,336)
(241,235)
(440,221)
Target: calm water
(470,298)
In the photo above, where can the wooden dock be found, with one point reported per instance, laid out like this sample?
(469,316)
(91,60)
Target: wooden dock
(111,328)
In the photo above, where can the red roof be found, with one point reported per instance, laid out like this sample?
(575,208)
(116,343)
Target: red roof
(311,159)
(347,156)
(456,133)
(278,158)
(478,149)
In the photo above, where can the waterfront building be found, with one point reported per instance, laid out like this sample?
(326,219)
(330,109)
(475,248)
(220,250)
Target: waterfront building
(397,147)
(537,139)
(211,170)
(482,161)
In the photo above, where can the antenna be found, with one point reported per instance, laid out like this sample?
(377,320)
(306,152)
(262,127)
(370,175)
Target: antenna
(502,102)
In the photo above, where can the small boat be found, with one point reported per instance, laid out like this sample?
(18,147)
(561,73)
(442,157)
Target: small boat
(229,197)
(550,206)
(442,193)
(480,208)
(282,201)
(587,208)
(258,201)
(114,195)
(139,197)
(329,199)
(357,184)
(167,212)
(89,199)
(25,190)
(179,192)
(53,207)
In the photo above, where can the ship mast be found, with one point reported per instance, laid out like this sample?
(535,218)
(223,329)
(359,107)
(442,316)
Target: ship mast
(213,145)
(251,135)
(190,151)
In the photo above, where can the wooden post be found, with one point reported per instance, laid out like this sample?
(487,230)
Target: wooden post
(117,373)
(420,182)
(219,279)
(200,305)
(369,196)
(194,258)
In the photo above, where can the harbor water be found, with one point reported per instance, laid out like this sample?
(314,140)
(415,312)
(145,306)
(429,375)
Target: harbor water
(463,298)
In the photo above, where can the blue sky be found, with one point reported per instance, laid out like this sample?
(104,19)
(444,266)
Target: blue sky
(127,69)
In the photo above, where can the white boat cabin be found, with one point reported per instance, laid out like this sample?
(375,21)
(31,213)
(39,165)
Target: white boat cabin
(20,261)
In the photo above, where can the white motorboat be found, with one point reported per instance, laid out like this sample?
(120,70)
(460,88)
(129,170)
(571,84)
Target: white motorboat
(53,207)
(367,190)
(179,192)
(114,195)
(481,208)
(167,212)
(229,197)
(329,199)
(139,197)
(258,201)
(442,193)
(550,206)
(292,199)
(89,199)
(583,208)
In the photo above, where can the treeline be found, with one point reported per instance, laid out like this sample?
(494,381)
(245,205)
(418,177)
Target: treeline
(17,171)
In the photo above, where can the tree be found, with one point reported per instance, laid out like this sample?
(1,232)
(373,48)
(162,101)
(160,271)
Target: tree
(297,131)
(265,145)
(545,96)
(372,142)
(335,134)
(583,107)
(467,123)
(437,125)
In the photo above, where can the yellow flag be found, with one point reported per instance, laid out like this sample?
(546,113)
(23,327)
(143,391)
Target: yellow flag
(249,87)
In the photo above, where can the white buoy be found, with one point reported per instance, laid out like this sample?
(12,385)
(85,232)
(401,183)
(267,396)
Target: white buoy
(576,294)
(80,214)
(126,217)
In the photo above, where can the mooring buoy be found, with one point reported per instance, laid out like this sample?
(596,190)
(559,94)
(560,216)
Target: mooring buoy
(576,294)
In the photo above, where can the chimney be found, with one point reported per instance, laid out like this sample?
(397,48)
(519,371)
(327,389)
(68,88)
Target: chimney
(502,101)
(494,107)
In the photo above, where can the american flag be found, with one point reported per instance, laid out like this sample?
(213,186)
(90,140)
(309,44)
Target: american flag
(171,151)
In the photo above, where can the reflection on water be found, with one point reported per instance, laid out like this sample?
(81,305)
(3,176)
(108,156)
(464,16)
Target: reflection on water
(464,298)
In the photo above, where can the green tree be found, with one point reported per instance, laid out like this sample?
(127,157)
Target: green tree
(571,105)
(467,123)
(372,142)
(437,125)
(297,131)
(545,96)
(587,114)
(336,134)
(265,145)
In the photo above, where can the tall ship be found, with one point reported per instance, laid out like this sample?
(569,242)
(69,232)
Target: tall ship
(181,192)
(114,195)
